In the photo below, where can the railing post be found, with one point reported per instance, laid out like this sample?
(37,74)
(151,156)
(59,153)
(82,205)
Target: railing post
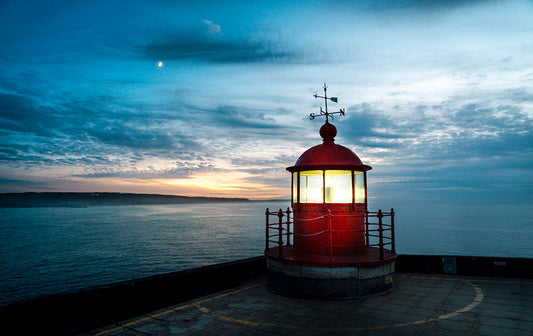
(288,227)
(380,230)
(280,237)
(328,216)
(393,245)
(367,234)
(267,233)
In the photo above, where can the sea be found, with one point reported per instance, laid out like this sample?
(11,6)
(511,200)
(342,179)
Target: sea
(58,249)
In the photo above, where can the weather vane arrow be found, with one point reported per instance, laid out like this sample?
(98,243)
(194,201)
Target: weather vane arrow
(326,113)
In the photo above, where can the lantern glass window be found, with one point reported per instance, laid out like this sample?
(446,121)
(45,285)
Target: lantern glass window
(359,187)
(338,185)
(295,187)
(311,184)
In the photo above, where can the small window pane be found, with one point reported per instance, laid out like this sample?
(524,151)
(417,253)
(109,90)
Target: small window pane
(359,187)
(295,187)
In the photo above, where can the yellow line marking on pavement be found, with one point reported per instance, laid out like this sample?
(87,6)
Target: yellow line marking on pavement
(477,300)
(142,319)
(195,304)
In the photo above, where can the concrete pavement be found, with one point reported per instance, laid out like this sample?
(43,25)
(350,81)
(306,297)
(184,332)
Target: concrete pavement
(419,304)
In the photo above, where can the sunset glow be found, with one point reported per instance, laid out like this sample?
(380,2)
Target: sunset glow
(225,184)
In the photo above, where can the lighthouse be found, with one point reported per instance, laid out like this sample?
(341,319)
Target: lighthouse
(329,246)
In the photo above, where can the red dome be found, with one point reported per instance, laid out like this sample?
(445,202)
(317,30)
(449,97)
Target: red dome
(328,155)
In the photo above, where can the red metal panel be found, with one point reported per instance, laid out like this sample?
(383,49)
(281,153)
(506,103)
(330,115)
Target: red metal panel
(317,230)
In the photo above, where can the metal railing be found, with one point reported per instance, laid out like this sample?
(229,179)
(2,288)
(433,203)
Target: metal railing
(278,228)
(377,234)
(382,228)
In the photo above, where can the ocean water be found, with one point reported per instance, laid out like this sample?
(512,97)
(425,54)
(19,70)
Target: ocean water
(53,250)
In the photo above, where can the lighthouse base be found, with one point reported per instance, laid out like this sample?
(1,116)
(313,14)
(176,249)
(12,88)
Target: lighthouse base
(314,282)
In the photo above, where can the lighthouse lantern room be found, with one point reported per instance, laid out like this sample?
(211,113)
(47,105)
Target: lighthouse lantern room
(329,245)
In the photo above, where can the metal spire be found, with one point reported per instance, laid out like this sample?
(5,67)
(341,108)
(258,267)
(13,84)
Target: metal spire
(326,113)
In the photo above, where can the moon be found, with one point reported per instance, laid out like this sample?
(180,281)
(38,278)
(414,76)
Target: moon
(160,64)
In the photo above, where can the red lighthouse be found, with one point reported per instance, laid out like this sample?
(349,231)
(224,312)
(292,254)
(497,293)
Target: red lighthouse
(330,245)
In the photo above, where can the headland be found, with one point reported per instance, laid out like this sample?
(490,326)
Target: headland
(86,199)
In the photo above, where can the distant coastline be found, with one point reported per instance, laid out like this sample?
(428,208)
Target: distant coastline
(86,199)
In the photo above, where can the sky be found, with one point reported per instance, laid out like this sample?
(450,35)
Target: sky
(212,98)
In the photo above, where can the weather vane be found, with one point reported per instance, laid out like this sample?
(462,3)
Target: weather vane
(326,113)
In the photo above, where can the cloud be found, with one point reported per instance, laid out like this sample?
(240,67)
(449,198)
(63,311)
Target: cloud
(207,43)
(481,130)
(22,185)
(367,125)
(181,169)
(211,29)
(520,95)
(136,136)
(24,114)
(455,150)
(478,129)
(239,117)
(425,5)
(91,130)
(102,136)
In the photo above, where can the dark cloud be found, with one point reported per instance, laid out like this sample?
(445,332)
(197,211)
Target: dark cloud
(521,95)
(24,114)
(238,117)
(266,162)
(368,126)
(181,170)
(207,43)
(136,137)
(418,5)
(20,185)
(231,123)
